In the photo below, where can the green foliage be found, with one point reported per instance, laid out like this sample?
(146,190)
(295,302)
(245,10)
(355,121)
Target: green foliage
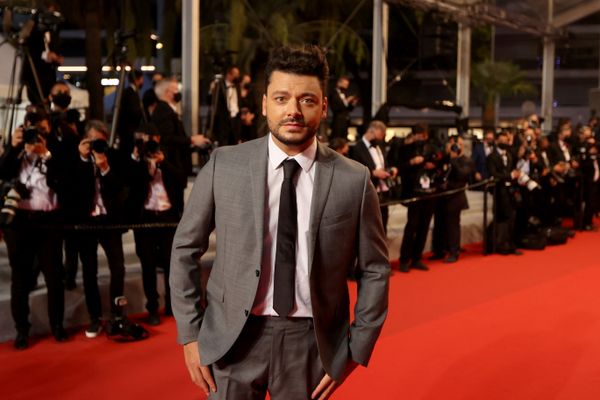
(500,78)
(255,27)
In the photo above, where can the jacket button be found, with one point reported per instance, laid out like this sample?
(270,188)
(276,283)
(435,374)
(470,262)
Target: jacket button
(257,273)
(246,312)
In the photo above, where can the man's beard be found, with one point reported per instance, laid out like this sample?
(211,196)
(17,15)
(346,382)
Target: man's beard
(295,140)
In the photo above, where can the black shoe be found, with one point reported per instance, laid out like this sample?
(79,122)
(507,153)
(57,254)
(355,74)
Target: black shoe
(94,329)
(590,228)
(517,252)
(59,333)
(153,319)
(21,341)
(419,265)
(404,267)
(436,256)
(451,259)
(168,311)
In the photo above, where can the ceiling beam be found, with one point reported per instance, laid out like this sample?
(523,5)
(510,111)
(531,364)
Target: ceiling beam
(576,13)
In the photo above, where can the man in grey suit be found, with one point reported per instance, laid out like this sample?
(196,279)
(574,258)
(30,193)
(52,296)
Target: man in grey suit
(292,219)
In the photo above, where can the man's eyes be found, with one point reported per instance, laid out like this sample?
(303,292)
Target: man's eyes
(305,100)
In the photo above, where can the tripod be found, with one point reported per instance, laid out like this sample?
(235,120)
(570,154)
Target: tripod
(218,82)
(15,89)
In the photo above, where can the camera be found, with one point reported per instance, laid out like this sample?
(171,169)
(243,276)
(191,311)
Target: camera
(31,135)
(100,146)
(455,148)
(15,192)
(151,147)
(525,180)
(148,148)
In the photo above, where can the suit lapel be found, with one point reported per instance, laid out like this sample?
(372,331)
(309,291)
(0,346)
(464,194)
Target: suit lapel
(321,187)
(258,174)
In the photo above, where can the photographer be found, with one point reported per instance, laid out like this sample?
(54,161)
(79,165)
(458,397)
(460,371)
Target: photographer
(227,123)
(460,173)
(370,151)
(563,157)
(156,195)
(501,166)
(418,164)
(528,191)
(32,227)
(101,198)
(590,175)
(176,143)
(43,44)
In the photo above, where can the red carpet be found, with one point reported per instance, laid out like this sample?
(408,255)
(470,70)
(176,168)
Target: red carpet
(496,327)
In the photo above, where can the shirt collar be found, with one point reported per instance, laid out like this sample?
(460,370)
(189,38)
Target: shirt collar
(306,159)
(367,143)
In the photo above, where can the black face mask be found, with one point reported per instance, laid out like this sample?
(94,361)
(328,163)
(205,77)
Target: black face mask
(247,86)
(177,97)
(61,100)
(503,146)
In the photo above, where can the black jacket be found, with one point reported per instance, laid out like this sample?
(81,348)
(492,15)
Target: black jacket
(359,152)
(139,179)
(174,141)
(112,190)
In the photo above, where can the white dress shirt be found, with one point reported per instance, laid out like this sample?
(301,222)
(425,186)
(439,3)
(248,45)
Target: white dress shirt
(158,198)
(565,150)
(379,161)
(304,181)
(33,175)
(232,99)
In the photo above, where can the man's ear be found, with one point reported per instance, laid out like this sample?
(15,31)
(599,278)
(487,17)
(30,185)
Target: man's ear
(264,105)
(324,114)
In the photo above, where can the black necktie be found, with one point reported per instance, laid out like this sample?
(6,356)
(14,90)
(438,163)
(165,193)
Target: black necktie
(285,255)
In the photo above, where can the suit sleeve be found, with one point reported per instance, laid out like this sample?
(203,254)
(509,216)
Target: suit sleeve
(189,244)
(373,270)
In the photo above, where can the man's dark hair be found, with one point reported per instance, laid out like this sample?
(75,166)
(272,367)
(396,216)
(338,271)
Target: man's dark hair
(306,59)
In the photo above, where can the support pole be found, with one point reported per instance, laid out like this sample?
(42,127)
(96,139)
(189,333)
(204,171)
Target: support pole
(548,74)
(463,69)
(191,66)
(380,46)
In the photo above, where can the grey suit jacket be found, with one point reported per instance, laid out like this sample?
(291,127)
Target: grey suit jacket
(345,233)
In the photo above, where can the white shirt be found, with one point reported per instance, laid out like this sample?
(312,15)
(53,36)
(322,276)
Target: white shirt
(33,175)
(158,198)
(232,99)
(379,161)
(565,150)
(304,181)
(342,96)
(487,149)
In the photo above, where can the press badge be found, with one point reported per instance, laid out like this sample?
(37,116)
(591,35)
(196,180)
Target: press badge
(425,182)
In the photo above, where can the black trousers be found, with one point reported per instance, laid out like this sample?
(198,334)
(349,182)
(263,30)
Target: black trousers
(71,259)
(153,248)
(112,243)
(590,196)
(438,239)
(35,237)
(416,229)
(453,207)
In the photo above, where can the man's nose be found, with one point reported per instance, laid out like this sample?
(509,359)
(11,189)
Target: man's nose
(293,108)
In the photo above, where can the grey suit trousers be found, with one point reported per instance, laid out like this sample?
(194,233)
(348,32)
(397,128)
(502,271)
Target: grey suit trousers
(272,353)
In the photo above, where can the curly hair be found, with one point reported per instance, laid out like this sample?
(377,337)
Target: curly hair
(305,59)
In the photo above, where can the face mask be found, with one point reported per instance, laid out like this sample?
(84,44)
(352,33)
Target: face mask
(247,86)
(61,100)
(503,146)
(177,97)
